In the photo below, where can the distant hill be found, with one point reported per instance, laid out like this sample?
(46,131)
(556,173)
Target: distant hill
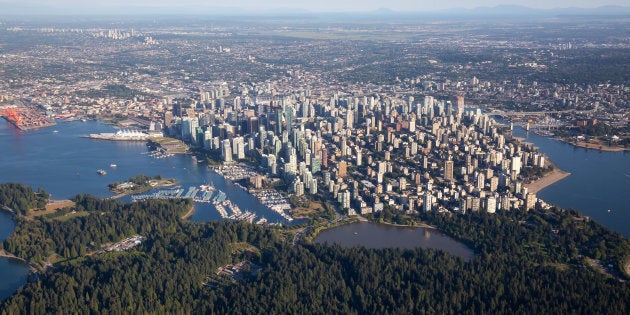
(515,10)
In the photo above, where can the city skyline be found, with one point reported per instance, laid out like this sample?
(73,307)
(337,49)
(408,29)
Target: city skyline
(200,159)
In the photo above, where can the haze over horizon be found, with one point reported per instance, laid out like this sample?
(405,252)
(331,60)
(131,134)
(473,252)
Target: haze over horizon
(271,6)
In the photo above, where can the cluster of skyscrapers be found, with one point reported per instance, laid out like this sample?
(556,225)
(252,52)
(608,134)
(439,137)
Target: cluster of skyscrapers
(367,152)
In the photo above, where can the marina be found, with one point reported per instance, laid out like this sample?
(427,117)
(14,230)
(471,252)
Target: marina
(206,194)
(235,172)
(274,201)
(48,159)
(159,154)
(160,194)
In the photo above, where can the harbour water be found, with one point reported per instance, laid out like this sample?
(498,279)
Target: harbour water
(599,183)
(13,273)
(373,235)
(58,160)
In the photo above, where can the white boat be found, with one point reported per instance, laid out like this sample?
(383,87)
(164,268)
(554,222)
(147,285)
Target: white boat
(113,165)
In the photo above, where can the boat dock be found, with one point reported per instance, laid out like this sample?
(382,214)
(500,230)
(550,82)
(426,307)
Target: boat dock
(270,198)
(206,194)
(160,194)
(274,201)
(220,196)
(192,192)
(235,172)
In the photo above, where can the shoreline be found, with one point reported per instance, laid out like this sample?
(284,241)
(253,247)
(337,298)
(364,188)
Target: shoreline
(547,180)
(420,225)
(331,225)
(27,128)
(165,183)
(33,268)
(7,209)
(362,219)
(593,146)
(190,212)
(4,254)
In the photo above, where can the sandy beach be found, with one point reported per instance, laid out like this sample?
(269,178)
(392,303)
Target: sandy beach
(547,180)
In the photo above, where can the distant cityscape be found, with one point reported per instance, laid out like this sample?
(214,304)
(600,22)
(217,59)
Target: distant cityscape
(330,117)
(207,164)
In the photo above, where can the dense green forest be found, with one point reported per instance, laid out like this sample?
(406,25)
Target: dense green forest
(107,221)
(525,262)
(21,198)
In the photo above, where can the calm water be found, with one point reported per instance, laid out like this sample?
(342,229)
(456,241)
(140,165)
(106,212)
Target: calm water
(373,235)
(12,272)
(599,181)
(65,165)
(62,163)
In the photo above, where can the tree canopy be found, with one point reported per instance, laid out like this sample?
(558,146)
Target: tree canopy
(525,262)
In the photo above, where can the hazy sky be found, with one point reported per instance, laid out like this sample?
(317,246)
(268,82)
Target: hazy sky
(322,5)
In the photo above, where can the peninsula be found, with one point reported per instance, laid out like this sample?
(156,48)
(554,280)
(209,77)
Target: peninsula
(139,184)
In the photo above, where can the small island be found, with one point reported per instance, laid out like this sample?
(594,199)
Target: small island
(139,184)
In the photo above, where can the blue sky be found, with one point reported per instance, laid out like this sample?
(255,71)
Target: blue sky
(317,5)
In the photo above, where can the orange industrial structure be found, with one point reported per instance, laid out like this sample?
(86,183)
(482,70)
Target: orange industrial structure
(25,118)
(12,116)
